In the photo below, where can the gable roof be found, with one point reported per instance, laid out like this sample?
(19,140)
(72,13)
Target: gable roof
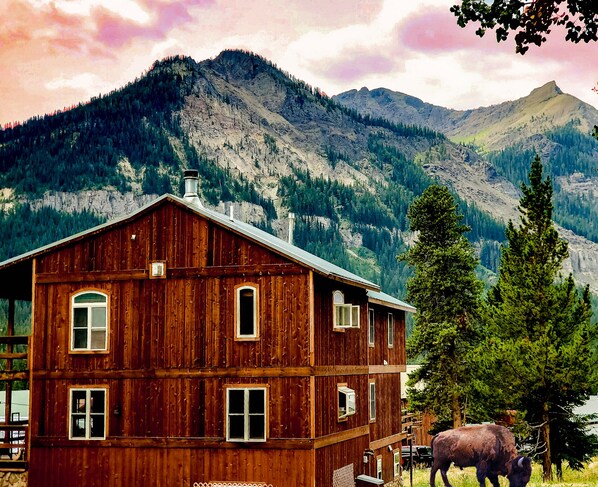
(261,237)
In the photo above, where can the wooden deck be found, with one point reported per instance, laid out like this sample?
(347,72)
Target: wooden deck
(14,432)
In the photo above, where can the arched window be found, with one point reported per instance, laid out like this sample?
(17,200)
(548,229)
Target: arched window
(246,315)
(89,325)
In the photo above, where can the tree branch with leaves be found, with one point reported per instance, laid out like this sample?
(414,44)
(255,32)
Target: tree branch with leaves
(531,20)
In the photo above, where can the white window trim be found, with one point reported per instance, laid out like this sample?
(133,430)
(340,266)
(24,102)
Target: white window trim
(89,307)
(371,327)
(379,467)
(255,334)
(88,413)
(396,458)
(372,402)
(391,330)
(349,401)
(352,310)
(246,415)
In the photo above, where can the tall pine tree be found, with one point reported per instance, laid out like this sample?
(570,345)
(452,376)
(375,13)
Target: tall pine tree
(446,292)
(542,344)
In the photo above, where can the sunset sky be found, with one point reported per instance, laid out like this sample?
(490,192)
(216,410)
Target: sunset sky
(56,53)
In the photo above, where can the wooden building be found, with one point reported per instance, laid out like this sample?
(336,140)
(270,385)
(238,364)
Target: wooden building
(179,347)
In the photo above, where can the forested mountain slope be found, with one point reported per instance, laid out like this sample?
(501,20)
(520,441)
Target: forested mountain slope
(261,140)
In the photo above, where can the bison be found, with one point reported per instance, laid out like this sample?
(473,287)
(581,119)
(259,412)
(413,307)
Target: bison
(488,447)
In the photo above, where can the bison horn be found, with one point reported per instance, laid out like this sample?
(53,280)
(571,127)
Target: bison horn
(520,462)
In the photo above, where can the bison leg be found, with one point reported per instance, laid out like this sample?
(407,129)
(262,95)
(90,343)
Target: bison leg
(493,478)
(443,469)
(482,473)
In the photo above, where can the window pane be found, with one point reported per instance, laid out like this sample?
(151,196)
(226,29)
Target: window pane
(98,340)
(338,297)
(372,329)
(350,403)
(257,427)
(78,399)
(355,316)
(80,339)
(343,314)
(98,401)
(372,401)
(90,298)
(78,426)
(256,401)
(96,426)
(98,317)
(246,312)
(80,317)
(236,401)
(236,427)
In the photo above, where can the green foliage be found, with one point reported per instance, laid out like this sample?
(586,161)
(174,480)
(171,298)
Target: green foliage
(306,195)
(322,240)
(80,148)
(541,347)
(574,155)
(532,21)
(22,229)
(446,293)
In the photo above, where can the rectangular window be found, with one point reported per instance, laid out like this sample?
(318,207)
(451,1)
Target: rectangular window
(89,325)
(87,414)
(372,401)
(346,316)
(371,328)
(391,330)
(379,467)
(397,463)
(346,402)
(246,316)
(246,414)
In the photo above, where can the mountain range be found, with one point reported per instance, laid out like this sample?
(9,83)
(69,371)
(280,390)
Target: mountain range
(267,143)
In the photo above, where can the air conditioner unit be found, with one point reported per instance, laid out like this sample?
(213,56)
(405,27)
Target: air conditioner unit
(158,270)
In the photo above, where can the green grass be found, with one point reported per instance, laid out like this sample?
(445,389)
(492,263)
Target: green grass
(466,477)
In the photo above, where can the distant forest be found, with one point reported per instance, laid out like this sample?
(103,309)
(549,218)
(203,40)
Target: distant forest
(572,152)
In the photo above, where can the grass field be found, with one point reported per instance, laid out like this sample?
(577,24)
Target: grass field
(466,478)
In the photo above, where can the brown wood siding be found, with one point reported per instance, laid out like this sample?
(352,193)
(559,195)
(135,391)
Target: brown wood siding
(334,457)
(380,351)
(176,323)
(96,466)
(169,233)
(348,347)
(174,408)
(327,400)
(388,406)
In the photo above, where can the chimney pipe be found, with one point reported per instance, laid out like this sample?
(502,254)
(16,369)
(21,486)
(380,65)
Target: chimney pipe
(191,184)
(291,227)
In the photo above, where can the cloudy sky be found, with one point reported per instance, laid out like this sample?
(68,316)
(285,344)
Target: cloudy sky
(56,53)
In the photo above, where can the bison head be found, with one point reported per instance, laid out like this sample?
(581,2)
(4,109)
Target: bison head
(521,471)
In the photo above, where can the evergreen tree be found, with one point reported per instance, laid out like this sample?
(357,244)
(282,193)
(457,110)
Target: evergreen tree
(542,343)
(446,293)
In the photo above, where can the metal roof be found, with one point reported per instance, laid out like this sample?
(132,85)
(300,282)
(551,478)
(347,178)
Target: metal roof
(388,300)
(271,242)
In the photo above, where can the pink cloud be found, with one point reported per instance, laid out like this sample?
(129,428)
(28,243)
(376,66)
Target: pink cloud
(115,31)
(436,31)
(354,65)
